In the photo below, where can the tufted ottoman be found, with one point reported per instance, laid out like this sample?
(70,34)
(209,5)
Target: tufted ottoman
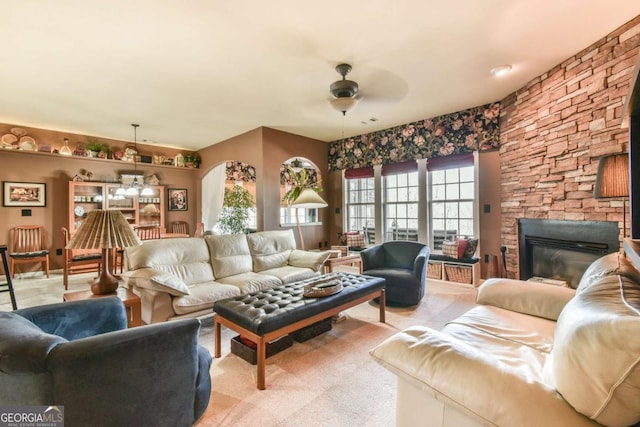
(266,315)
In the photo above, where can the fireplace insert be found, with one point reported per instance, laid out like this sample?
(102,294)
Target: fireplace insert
(562,250)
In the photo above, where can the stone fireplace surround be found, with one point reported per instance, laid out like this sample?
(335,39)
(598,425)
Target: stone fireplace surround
(553,132)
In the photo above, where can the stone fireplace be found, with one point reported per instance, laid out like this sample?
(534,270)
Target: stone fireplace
(562,250)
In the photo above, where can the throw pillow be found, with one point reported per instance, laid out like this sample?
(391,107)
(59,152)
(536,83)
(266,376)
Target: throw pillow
(462,247)
(472,245)
(308,259)
(450,249)
(355,240)
(171,284)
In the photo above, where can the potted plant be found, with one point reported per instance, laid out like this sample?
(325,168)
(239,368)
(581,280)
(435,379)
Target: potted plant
(96,149)
(237,201)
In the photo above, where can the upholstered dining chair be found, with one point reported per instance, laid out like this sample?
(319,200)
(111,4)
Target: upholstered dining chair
(199,229)
(77,260)
(181,227)
(148,232)
(29,246)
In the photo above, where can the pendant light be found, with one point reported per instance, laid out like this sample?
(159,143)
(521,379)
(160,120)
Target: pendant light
(133,188)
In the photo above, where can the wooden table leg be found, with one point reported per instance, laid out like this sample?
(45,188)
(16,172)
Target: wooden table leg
(262,362)
(217,337)
(382,305)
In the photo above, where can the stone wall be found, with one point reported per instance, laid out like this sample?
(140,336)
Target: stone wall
(554,130)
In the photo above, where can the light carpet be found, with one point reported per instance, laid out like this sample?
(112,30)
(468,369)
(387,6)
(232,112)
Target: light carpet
(329,380)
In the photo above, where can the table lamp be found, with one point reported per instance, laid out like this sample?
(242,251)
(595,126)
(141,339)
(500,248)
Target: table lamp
(309,199)
(612,181)
(104,229)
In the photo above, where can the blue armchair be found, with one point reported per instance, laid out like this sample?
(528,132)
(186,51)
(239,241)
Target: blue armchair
(81,355)
(403,264)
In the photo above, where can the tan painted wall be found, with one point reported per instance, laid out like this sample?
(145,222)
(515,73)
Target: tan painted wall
(56,171)
(489,196)
(266,149)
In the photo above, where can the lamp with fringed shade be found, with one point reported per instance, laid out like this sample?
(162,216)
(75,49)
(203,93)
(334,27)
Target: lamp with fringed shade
(104,229)
(612,181)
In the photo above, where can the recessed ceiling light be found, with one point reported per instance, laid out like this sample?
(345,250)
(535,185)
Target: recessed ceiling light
(501,70)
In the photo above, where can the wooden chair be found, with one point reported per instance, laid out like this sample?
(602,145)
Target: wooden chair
(199,229)
(78,260)
(29,246)
(181,227)
(147,232)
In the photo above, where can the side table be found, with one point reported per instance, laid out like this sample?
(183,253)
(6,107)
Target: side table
(130,300)
(350,260)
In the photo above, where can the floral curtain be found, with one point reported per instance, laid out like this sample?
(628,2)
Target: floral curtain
(474,129)
(238,171)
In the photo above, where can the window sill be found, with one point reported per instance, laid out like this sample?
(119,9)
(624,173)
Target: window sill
(302,224)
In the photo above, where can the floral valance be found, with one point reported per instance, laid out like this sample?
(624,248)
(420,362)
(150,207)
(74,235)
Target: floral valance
(238,171)
(474,129)
(285,176)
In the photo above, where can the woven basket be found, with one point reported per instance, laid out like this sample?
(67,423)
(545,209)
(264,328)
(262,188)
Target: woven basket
(434,270)
(459,273)
(249,352)
(313,330)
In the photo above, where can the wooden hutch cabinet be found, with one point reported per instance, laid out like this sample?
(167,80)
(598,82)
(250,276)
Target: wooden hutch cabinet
(138,210)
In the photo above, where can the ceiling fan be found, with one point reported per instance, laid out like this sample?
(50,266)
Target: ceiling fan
(345,92)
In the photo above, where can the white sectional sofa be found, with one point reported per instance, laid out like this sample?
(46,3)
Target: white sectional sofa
(183,277)
(528,354)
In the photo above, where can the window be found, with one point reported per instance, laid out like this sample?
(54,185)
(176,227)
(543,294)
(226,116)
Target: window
(360,203)
(401,206)
(305,216)
(452,203)
(288,213)
(433,198)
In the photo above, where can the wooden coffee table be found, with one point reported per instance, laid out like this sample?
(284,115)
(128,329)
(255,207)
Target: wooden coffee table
(130,300)
(266,315)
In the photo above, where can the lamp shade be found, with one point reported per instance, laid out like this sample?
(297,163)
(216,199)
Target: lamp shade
(308,198)
(612,179)
(104,229)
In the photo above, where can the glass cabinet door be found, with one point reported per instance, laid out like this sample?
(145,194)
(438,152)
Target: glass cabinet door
(151,207)
(127,204)
(83,198)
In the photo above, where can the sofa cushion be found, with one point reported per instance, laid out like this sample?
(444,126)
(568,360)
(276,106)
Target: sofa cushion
(308,259)
(251,282)
(229,254)
(595,360)
(202,296)
(536,299)
(271,249)
(187,258)
(290,274)
(615,263)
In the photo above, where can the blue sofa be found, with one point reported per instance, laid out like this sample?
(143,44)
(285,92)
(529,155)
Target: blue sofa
(81,355)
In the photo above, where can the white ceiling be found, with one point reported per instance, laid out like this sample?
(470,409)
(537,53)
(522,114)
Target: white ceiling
(194,73)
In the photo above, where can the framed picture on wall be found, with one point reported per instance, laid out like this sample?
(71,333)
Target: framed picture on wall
(178,199)
(21,194)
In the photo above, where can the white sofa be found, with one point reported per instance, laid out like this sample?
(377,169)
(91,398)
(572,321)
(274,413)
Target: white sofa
(528,354)
(183,277)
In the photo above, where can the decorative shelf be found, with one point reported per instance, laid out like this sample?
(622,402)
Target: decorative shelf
(93,159)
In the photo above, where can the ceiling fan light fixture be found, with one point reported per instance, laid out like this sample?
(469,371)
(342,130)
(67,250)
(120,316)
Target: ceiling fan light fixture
(344,105)
(501,70)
